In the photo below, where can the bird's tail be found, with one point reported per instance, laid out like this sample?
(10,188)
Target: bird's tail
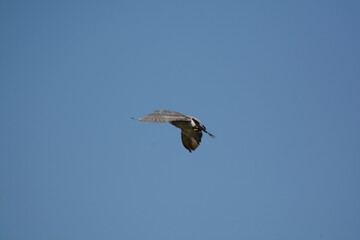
(211,135)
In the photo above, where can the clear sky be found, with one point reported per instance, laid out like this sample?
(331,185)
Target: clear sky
(277,82)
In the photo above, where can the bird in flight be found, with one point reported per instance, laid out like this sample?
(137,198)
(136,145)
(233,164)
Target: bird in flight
(191,127)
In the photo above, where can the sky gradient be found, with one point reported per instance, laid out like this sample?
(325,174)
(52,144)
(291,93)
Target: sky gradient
(276,82)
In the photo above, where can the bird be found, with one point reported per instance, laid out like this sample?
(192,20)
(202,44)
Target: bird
(191,127)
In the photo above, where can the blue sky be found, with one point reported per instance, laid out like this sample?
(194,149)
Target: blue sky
(276,82)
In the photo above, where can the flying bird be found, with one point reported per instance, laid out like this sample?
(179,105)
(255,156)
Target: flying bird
(191,127)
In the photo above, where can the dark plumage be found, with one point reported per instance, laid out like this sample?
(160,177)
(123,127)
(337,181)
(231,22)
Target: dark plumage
(191,128)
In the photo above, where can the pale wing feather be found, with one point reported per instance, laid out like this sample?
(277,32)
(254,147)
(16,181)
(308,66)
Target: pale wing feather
(165,116)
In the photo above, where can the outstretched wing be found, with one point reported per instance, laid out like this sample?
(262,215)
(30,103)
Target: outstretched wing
(165,116)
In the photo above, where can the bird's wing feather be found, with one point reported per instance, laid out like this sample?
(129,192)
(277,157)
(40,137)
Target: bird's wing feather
(191,138)
(165,116)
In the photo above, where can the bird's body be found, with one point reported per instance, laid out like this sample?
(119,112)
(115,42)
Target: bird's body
(191,128)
